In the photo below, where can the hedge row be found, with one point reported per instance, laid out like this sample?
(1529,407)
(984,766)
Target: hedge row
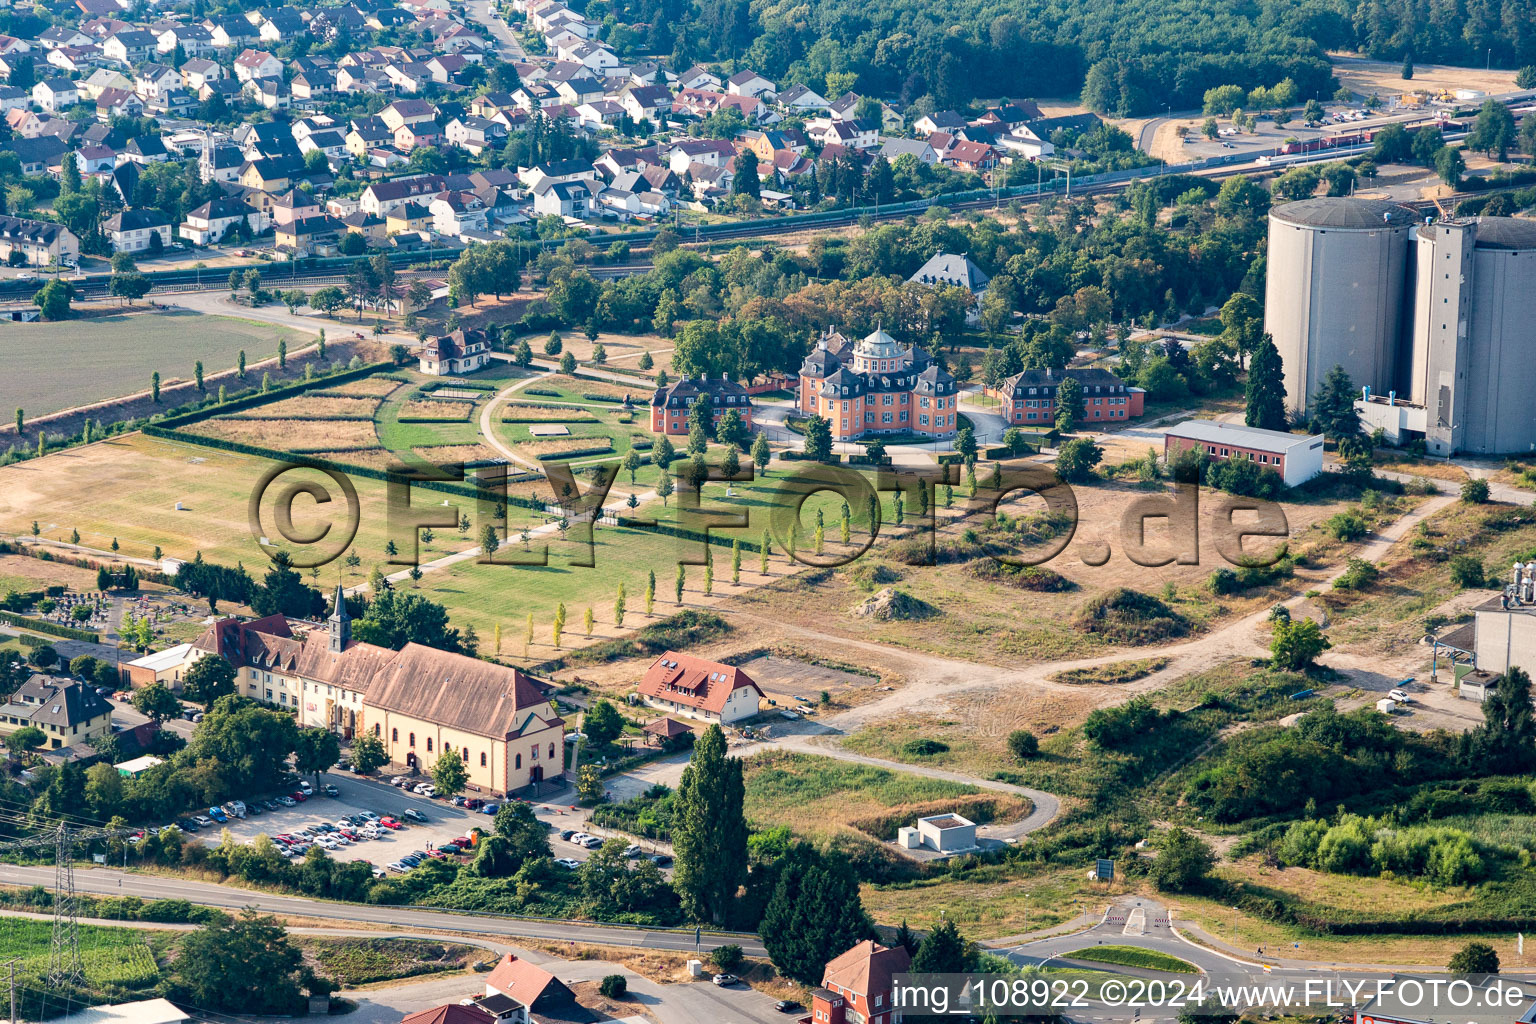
(576,453)
(543,392)
(717,537)
(259,397)
(603,398)
(791,456)
(51,628)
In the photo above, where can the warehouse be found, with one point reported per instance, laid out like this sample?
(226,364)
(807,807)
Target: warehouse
(1296,457)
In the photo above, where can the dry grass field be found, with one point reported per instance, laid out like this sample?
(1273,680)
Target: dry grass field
(436,410)
(311,406)
(292,435)
(378,387)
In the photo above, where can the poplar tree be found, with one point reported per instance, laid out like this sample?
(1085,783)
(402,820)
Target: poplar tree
(709,831)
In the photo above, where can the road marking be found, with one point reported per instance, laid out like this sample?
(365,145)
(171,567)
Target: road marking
(1136,922)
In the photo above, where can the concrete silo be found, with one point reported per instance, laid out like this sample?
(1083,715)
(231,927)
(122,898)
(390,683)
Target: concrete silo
(1337,274)
(1473,361)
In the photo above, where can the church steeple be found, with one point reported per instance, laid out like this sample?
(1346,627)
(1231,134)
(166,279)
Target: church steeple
(340,623)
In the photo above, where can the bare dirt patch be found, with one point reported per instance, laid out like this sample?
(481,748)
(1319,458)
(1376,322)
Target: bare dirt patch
(1386,79)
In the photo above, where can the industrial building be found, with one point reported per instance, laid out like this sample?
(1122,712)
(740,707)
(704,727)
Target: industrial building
(1501,636)
(1433,321)
(1335,292)
(1296,457)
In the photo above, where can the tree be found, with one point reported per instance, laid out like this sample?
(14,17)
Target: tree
(709,830)
(449,773)
(489,540)
(731,430)
(664,453)
(814,913)
(1475,492)
(1474,958)
(1023,744)
(1407,71)
(316,752)
(156,702)
(27,738)
(396,618)
(53,299)
(1506,741)
(818,438)
(527,837)
(130,286)
(242,964)
(1075,459)
(328,300)
(1184,860)
(762,455)
(602,723)
(1069,404)
(209,678)
(746,181)
(1449,166)
(1266,388)
(1494,130)
(944,951)
(1295,645)
(1333,406)
(368,753)
(664,486)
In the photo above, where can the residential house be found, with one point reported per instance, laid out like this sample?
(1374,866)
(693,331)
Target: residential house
(254,64)
(578,88)
(944,268)
(368,133)
(458,352)
(802,98)
(971,156)
(709,152)
(58,36)
(533,96)
(371,227)
(698,77)
(857,986)
(381,197)
(229,32)
(308,236)
(312,85)
(146,149)
(13,98)
(55,94)
(40,243)
(407,112)
(194,40)
(599,114)
(939,121)
(74,60)
(136,230)
(565,198)
(918,149)
(408,218)
(95,159)
(282,24)
(66,711)
(221,162)
(646,102)
(130,47)
(154,79)
(101,79)
(854,134)
(670,405)
(294,204)
(417,135)
(556,170)
(516,990)
(199,71)
(209,223)
(271,174)
(410,78)
(118,103)
(694,688)
(750,83)
(768,143)
(475,134)
(458,213)
(1029,398)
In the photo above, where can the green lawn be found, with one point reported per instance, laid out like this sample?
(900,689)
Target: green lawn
(1134,956)
(54,366)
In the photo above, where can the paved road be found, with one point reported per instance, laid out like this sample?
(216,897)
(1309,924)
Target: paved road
(508,46)
(111,882)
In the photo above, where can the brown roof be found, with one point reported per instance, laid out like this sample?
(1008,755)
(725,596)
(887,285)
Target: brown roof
(270,643)
(451,1013)
(523,982)
(866,969)
(694,681)
(462,693)
(666,727)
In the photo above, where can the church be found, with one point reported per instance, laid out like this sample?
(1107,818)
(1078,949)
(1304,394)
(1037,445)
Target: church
(877,386)
(419,701)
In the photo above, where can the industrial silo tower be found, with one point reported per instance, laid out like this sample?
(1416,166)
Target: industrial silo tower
(1335,294)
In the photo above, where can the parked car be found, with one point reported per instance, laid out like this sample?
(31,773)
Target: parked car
(661,860)
(218,815)
(593,842)
(399,780)
(474,803)
(412,814)
(459,801)
(786,1006)
(368,814)
(632,850)
(234,808)
(725,979)
(1400,696)
(307,789)
(298,795)
(187,824)
(398,865)
(425,789)
(567,834)
(254,807)
(567,862)
(390,823)
(331,790)
(287,801)
(490,809)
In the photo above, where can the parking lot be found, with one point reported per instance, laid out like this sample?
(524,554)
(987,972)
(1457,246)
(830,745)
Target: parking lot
(355,795)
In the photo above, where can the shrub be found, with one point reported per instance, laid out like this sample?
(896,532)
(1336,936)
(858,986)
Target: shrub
(613,986)
(726,957)
(867,575)
(1022,744)
(1475,492)
(1348,525)
(1025,577)
(924,748)
(1358,575)
(1467,571)
(1130,617)
(1474,958)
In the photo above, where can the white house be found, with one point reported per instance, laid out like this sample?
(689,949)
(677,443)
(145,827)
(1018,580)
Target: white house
(684,685)
(750,83)
(132,230)
(209,223)
(55,94)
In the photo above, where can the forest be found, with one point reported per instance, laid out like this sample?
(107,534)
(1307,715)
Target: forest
(1134,56)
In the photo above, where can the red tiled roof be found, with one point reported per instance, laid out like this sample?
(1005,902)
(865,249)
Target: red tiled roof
(519,980)
(866,969)
(695,682)
(450,1013)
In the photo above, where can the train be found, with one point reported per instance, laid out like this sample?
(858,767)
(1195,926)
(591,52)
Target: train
(1365,136)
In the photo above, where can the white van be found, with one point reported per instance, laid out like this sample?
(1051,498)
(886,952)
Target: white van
(235,808)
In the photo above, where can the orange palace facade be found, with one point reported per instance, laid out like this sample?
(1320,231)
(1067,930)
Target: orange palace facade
(877,386)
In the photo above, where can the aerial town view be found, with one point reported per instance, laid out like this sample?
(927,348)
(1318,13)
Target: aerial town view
(725,512)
